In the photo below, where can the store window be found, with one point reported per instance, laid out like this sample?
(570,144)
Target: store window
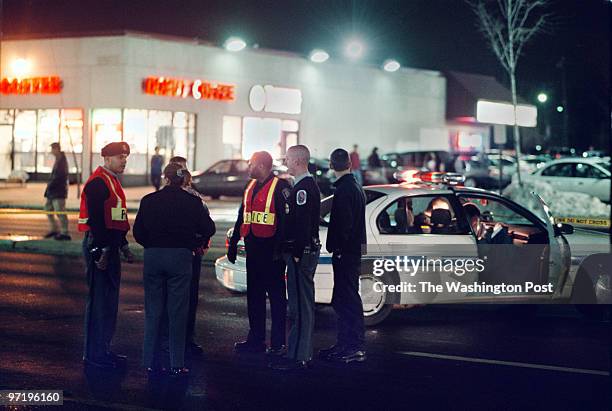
(270,134)
(232,136)
(144,130)
(6,142)
(71,137)
(24,144)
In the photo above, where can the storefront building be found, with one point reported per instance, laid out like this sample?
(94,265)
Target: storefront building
(201,102)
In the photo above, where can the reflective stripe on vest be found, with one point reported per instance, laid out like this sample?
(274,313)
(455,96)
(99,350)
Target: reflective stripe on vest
(261,222)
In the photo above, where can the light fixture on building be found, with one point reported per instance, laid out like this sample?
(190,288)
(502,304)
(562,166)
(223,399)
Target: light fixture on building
(20,67)
(319,56)
(560,109)
(354,49)
(542,97)
(391,65)
(234,44)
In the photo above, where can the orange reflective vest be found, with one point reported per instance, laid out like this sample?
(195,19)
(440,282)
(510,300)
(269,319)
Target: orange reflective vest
(115,210)
(259,215)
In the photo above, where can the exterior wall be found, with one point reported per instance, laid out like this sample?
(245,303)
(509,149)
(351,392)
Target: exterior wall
(343,104)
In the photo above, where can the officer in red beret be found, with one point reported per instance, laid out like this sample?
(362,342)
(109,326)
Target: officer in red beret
(103,218)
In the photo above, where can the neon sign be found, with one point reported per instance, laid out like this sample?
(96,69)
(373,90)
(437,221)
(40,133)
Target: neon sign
(34,85)
(197,89)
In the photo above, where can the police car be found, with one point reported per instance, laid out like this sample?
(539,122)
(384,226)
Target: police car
(396,227)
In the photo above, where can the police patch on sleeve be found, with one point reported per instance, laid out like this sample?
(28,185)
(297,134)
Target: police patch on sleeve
(301,197)
(286,193)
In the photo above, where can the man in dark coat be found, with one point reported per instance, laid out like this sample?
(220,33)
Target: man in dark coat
(56,193)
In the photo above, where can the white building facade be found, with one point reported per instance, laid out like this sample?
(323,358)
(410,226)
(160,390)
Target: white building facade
(201,102)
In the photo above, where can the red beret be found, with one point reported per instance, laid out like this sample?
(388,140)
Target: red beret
(115,149)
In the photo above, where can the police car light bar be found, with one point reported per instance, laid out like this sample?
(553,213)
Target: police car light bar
(414,176)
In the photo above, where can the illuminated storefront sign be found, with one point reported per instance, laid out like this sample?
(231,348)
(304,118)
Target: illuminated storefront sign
(503,113)
(34,85)
(197,89)
(273,99)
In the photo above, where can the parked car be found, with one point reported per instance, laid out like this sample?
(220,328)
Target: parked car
(481,172)
(384,235)
(581,175)
(228,178)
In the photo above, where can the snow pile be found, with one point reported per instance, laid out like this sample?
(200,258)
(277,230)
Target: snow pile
(561,203)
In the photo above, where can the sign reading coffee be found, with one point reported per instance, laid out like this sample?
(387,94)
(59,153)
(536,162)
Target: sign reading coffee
(197,89)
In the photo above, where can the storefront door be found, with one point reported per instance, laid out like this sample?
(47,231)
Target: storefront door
(6,143)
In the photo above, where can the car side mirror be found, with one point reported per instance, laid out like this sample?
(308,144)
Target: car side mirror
(562,228)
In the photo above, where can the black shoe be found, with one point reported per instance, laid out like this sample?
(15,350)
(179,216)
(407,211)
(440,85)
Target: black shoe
(277,352)
(194,348)
(249,347)
(102,363)
(118,359)
(328,353)
(62,237)
(179,372)
(51,234)
(290,365)
(350,355)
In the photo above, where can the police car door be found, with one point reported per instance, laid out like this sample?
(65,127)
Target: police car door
(428,257)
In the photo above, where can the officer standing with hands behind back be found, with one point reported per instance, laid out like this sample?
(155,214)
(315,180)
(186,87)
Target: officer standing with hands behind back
(301,252)
(346,240)
(103,218)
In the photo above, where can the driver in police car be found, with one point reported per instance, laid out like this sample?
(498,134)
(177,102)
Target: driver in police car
(103,218)
(260,223)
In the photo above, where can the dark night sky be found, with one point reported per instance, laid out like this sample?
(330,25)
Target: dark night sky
(432,34)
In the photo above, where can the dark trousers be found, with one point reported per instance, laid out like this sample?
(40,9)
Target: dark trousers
(102,303)
(347,301)
(167,276)
(156,181)
(265,276)
(194,292)
(300,288)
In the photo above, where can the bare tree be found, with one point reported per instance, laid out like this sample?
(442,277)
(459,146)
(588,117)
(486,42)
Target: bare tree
(508,25)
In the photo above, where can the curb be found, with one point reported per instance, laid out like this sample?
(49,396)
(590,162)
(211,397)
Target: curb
(74,249)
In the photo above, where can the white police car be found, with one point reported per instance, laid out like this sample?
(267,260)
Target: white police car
(393,229)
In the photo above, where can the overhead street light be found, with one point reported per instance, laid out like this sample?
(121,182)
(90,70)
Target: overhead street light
(234,44)
(354,49)
(560,109)
(391,65)
(542,97)
(319,56)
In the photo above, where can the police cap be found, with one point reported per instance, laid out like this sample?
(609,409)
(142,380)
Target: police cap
(115,149)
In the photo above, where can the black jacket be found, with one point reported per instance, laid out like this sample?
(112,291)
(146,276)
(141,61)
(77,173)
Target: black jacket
(172,218)
(347,233)
(281,194)
(303,216)
(57,187)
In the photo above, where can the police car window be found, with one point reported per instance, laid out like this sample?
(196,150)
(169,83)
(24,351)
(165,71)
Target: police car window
(413,215)
(326,205)
(220,167)
(493,211)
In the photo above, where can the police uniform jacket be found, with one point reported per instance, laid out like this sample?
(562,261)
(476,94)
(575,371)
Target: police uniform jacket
(281,194)
(172,218)
(301,231)
(346,233)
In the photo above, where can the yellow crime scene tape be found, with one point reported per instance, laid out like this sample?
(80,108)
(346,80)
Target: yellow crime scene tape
(592,222)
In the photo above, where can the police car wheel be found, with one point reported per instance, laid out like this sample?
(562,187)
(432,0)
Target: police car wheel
(376,305)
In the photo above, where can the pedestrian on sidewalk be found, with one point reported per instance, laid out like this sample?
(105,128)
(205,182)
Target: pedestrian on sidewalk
(56,194)
(170,223)
(356,165)
(157,162)
(103,218)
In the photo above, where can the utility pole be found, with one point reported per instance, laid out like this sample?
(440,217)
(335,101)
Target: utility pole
(561,66)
